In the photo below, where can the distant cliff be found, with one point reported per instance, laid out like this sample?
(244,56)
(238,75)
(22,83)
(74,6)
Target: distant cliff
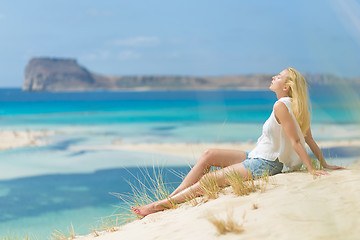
(51,74)
(57,74)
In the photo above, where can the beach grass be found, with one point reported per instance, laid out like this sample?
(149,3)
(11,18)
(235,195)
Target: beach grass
(14,237)
(96,233)
(255,206)
(146,189)
(210,185)
(110,223)
(264,180)
(241,186)
(315,164)
(59,235)
(193,199)
(228,225)
(153,187)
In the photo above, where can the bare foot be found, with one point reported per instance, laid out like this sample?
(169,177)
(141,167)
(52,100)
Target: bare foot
(147,209)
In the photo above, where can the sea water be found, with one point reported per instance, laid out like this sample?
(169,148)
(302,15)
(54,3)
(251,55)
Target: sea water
(68,180)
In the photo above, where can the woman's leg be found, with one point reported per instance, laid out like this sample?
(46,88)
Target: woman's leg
(193,191)
(211,157)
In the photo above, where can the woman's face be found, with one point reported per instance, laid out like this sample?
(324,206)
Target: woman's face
(278,81)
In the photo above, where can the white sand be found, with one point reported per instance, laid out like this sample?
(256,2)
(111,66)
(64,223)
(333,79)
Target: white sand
(294,206)
(14,139)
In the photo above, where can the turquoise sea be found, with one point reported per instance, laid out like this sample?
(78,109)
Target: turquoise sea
(67,181)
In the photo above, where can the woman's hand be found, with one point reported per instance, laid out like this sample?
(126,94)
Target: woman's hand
(333,167)
(319,172)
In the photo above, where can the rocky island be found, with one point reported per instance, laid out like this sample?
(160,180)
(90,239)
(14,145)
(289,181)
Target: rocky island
(61,74)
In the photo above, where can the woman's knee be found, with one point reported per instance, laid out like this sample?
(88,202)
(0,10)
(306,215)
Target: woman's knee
(209,154)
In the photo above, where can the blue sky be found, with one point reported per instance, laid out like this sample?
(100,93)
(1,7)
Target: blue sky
(182,37)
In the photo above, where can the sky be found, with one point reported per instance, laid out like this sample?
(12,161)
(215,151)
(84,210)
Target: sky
(182,37)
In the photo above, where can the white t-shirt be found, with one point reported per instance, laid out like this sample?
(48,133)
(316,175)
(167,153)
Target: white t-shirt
(274,143)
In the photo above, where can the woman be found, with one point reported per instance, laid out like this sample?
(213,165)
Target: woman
(282,142)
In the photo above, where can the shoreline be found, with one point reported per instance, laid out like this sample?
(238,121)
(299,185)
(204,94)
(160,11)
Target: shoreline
(12,139)
(18,139)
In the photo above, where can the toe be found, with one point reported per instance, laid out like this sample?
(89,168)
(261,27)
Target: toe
(136,210)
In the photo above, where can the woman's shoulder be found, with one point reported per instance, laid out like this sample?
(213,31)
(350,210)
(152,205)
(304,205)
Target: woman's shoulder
(282,104)
(283,101)
(279,106)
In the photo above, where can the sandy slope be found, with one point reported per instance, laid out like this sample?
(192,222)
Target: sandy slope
(294,206)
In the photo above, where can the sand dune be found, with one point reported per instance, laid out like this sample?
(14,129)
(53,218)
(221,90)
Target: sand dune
(294,206)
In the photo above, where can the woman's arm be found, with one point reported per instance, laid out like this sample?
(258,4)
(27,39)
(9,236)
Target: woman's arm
(317,152)
(283,116)
(315,148)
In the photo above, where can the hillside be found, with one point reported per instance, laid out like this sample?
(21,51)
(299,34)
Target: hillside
(59,74)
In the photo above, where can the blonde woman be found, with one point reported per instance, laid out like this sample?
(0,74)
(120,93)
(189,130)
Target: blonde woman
(282,143)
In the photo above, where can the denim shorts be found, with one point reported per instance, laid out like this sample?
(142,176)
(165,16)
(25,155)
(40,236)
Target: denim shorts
(258,166)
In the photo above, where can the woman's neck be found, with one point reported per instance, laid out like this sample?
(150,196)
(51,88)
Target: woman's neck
(281,95)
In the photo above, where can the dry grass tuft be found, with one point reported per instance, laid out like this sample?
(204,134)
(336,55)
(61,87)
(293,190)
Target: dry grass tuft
(15,237)
(58,235)
(210,185)
(240,186)
(243,187)
(147,190)
(228,225)
(264,180)
(9,237)
(194,200)
(316,165)
(255,206)
(95,232)
(109,223)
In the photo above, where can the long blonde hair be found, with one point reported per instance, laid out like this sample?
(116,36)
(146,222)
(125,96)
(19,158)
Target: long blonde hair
(299,93)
